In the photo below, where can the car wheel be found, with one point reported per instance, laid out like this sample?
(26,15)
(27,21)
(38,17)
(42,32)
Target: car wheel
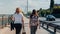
(53,19)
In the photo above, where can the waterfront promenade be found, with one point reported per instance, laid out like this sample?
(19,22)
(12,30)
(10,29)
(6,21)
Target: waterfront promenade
(6,30)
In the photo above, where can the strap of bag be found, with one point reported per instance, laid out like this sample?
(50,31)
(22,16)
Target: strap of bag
(23,28)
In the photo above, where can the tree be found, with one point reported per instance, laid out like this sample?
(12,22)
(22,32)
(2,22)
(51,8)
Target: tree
(40,10)
(28,13)
(51,5)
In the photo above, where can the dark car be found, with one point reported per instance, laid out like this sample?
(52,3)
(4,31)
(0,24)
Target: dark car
(50,18)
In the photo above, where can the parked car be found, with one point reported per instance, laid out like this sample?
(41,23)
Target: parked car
(50,18)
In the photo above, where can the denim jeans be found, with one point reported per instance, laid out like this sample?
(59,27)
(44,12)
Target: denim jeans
(33,29)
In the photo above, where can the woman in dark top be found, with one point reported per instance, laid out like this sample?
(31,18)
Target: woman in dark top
(33,22)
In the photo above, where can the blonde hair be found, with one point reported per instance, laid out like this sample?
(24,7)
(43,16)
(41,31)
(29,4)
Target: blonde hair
(20,10)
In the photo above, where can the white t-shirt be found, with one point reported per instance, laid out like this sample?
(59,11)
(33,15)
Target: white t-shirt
(18,18)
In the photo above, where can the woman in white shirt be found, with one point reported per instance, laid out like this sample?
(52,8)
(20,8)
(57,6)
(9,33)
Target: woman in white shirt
(18,20)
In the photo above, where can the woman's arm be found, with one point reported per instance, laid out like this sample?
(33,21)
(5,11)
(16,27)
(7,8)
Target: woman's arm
(12,17)
(23,22)
(29,22)
(38,23)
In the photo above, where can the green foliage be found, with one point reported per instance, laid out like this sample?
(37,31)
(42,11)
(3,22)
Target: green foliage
(56,7)
(44,12)
(28,13)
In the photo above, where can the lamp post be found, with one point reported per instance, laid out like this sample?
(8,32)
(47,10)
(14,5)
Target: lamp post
(27,5)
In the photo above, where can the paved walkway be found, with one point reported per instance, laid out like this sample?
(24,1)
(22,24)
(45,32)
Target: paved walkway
(7,30)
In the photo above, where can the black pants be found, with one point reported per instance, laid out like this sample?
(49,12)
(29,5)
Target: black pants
(33,29)
(18,28)
(12,26)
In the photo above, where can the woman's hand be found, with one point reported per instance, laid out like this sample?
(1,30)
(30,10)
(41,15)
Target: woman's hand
(29,25)
(23,26)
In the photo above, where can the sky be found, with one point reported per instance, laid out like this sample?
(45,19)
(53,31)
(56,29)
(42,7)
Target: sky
(9,6)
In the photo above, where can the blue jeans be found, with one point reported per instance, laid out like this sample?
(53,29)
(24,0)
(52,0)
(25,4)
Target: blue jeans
(33,29)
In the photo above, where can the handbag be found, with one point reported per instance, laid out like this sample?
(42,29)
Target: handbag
(23,32)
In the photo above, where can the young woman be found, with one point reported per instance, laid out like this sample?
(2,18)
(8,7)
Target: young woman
(33,22)
(18,20)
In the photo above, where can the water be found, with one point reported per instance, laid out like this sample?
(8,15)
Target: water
(5,20)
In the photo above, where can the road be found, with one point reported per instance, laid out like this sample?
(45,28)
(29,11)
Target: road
(57,22)
(43,18)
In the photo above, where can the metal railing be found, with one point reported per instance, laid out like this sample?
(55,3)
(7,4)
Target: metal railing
(3,21)
(51,24)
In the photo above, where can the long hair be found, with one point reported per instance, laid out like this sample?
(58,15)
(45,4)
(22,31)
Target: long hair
(19,10)
(34,13)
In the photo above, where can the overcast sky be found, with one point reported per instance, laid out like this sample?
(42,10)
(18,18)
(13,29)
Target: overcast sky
(9,6)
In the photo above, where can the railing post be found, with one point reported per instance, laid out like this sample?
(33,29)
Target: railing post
(5,24)
(39,25)
(54,30)
(2,21)
(5,21)
(47,26)
(42,24)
